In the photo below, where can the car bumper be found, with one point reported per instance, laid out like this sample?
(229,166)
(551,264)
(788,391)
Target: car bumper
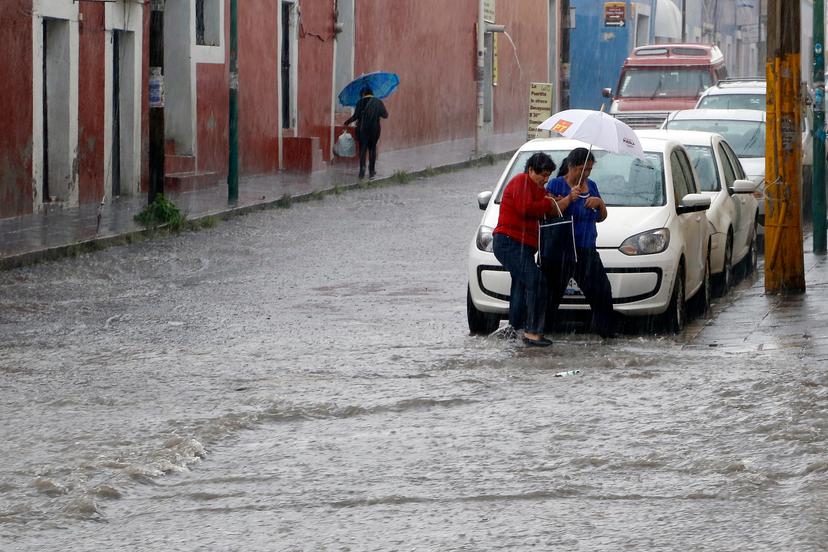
(637,290)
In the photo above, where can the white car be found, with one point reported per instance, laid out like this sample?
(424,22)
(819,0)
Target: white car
(655,242)
(750,93)
(733,213)
(744,130)
(730,93)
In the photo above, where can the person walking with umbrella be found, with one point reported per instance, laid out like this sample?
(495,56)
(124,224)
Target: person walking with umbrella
(367,114)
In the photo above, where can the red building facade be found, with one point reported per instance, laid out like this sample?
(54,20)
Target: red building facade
(74,124)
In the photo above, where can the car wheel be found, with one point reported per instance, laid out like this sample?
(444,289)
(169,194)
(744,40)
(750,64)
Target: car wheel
(726,277)
(751,260)
(480,323)
(677,311)
(701,301)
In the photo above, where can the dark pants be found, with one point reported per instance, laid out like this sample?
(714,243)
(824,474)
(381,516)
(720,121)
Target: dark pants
(591,277)
(527,297)
(368,146)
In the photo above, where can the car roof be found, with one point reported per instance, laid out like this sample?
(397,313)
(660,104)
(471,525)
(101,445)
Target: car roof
(736,87)
(675,54)
(687,137)
(560,143)
(717,114)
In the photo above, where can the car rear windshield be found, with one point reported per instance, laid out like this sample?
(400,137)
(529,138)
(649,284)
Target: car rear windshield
(622,180)
(664,82)
(747,138)
(733,101)
(705,164)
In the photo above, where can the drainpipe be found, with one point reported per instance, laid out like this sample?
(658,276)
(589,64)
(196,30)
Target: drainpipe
(481,67)
(233,161)
(337,29)
(279,121)
(820,244)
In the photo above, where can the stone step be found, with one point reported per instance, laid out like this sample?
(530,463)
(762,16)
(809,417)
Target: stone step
(189,181)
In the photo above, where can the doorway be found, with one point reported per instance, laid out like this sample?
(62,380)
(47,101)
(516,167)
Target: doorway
(122,156)
(288,62)
(56,183)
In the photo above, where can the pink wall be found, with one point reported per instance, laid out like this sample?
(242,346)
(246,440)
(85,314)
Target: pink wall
(91,120)
(258,98)
(526,22)
(430,44)
(16,108)
(315,60)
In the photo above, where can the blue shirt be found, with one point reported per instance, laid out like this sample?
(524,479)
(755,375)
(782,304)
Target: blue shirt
(583,218)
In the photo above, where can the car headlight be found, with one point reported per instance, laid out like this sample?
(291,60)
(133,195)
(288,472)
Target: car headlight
(646,243)
(484,239)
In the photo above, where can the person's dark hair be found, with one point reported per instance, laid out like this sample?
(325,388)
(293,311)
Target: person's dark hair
(366,91)
(540,163)
(563,168)
(578,157)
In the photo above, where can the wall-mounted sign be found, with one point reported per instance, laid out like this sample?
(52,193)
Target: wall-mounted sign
(615,14)
(540,108)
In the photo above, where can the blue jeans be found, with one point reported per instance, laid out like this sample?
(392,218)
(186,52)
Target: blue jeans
(527,298)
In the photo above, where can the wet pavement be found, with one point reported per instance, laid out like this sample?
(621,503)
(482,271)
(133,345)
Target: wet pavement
(303,379)
(57,232)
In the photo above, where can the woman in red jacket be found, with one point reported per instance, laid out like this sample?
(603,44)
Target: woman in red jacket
(515,239)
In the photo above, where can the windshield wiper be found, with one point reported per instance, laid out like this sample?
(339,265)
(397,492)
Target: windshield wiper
(658,88)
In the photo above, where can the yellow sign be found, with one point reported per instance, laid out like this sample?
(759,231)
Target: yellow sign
(540,108)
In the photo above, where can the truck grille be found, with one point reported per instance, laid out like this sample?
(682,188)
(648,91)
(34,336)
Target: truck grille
(643,119)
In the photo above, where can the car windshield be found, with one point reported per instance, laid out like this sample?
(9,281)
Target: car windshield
(705,164)
(733,101)
(623,180)
(664,82)
(747,138)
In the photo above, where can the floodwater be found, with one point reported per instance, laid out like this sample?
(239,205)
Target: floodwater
(302,379)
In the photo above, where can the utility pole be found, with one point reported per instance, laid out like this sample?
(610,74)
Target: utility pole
(156,100)
(784,261)
(233,165)
(818,187)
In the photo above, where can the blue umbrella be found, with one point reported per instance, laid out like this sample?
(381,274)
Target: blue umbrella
(380,83)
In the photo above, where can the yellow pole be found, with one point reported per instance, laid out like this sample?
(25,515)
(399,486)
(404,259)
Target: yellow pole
(784,262)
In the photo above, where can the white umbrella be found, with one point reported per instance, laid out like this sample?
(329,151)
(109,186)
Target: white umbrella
(596,128)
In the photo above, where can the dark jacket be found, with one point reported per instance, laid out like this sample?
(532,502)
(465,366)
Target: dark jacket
(367,115)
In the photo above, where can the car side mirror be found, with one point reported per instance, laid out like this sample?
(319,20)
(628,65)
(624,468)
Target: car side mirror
(606,92)
(743,187)
(692,203)
(483,199)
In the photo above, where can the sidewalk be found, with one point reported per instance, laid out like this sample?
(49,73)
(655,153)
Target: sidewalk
(750,321)
(61,232)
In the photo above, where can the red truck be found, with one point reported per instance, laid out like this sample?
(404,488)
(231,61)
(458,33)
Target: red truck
(661,78)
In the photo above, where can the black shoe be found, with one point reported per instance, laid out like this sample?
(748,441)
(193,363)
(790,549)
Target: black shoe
(361,175)
(542,342)
(372,175)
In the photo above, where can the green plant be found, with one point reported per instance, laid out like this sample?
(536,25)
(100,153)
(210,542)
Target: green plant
(284,202)
(161,212)
(401,177)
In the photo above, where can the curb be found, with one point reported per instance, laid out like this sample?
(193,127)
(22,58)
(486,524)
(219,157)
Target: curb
(82,246)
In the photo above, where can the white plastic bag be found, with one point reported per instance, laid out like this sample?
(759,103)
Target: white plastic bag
(345,145)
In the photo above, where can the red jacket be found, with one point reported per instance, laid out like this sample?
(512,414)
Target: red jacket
(522,204)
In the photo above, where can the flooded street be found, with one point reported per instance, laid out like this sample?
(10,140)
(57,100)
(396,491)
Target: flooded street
(303,379)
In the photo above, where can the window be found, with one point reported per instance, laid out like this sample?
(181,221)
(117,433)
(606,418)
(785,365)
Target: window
(208,22)
(730,173)
(702,159)
(622,180)
(664,82)
(681,186)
